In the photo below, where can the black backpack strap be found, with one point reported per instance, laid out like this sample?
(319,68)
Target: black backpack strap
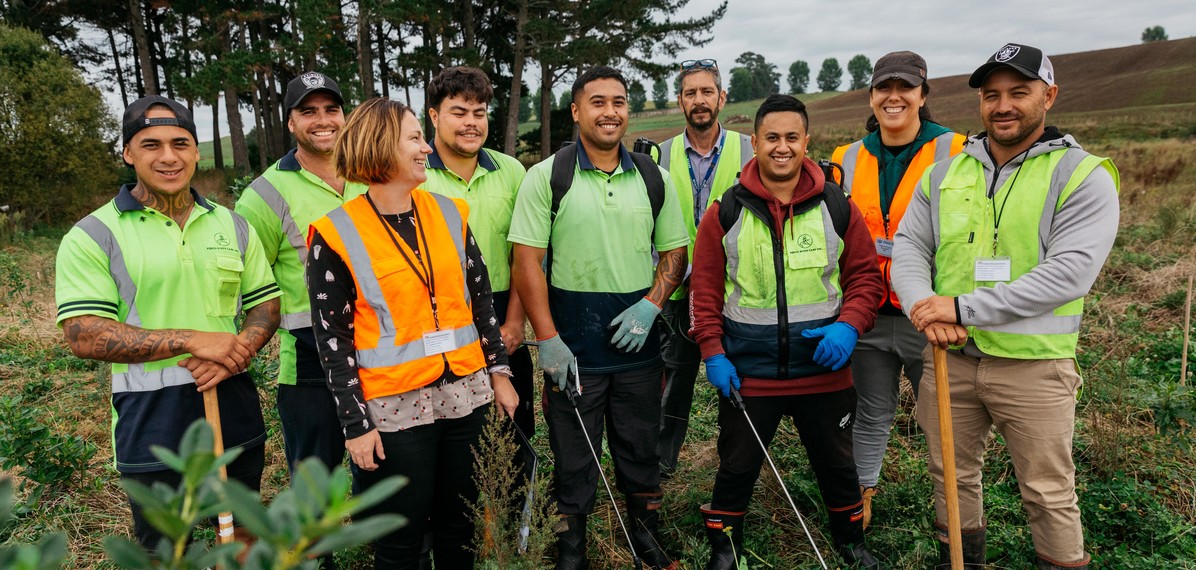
(650,174)
(564,163)
(838,206)
(729,208)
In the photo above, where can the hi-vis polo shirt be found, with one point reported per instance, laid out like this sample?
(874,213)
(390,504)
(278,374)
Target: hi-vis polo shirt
(280,205)
(601,247)
(132,264)
(490,194)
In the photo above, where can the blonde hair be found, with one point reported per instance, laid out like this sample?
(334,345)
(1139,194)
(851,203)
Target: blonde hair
(367,150)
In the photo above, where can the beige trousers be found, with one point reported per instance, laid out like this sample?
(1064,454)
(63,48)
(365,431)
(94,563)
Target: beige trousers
(1032,404)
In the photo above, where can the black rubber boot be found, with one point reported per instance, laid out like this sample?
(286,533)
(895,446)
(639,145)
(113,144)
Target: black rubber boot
(643,514)
(571,543)
(974,557)
(724,530)
(858,556)
(847,530)
(1044,564)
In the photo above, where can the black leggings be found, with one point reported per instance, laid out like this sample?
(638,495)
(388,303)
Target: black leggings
(437,460)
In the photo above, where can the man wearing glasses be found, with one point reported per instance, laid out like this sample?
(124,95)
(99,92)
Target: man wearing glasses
(694,161)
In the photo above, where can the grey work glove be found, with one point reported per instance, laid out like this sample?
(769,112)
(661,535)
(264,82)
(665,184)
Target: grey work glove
(555,359)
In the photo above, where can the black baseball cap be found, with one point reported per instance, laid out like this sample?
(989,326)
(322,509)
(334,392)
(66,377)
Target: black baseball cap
(1026,60)
(306,84)
(904,65)
(134,118)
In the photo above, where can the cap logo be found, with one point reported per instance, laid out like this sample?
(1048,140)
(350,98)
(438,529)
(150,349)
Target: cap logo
(1007,53)
(312,80)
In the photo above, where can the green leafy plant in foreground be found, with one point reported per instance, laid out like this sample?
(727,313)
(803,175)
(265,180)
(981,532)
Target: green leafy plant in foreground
(303,522)
(49,553)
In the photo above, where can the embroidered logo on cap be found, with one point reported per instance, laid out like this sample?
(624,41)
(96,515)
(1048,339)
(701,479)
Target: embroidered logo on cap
(312,80)
(1008,52)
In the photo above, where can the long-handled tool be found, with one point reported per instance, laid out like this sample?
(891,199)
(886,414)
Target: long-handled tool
(737,402)
(573,392)
(947,437)
(525,529)
(211,410)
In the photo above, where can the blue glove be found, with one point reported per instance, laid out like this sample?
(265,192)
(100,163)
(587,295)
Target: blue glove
(634,325)
(555,359)
(838,341)
(721,374)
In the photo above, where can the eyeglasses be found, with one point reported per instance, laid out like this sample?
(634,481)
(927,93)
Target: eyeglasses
(699,63)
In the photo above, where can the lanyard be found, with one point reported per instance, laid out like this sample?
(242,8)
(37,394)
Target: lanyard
(427,278)
(693,178)
(998,214)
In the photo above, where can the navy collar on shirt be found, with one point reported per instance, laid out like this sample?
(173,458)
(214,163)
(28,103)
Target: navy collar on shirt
(125,202)
(583,159)
(289,162)
(484,160)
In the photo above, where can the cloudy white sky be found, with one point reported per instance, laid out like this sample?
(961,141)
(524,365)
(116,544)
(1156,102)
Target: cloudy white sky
(955,36)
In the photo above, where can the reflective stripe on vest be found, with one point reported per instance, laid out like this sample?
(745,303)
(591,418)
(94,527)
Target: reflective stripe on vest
(136,378)
(298,242)
(962,211)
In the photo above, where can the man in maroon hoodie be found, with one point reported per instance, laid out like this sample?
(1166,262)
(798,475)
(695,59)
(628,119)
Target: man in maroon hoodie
(784,282)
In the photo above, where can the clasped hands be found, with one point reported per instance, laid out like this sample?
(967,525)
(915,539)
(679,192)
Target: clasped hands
(215,357)
(935,317)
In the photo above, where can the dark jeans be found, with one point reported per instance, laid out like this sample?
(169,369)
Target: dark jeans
(437,460)
(681,360)
(523,379)
(247,469)
(824,423)
(629,405)
(310,427)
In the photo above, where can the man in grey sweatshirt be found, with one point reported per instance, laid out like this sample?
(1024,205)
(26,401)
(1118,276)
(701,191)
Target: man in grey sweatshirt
(993,259)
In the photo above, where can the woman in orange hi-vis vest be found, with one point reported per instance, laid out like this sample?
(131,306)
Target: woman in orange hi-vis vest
(407,335)
(880,173)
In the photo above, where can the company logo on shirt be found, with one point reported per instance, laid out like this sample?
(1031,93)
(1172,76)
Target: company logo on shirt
(805,241)
(221,239)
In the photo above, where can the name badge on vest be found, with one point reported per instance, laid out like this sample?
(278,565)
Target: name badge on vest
(884,247)
(992,269)
(438,342)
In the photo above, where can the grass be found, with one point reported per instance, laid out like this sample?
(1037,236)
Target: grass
(1135,467)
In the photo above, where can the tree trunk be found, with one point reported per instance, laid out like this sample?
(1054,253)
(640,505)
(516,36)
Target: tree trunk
(280,127)
(383,70)
(259,124)
(511,136)
(467,31)
(236,130)
(120,74)
(546,111)
(217,144)
(365,60)
(158,52)
(149,81)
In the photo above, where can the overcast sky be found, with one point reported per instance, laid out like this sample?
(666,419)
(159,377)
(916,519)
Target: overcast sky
(955,36)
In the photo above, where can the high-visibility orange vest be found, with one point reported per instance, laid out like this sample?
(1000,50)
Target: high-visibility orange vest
(861,181)
(393,310)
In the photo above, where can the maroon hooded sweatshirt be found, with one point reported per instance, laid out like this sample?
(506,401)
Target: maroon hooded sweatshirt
(859,277)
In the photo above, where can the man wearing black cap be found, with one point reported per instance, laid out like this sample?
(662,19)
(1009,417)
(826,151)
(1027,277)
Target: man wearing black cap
(298,189)
(1002,281)
(153,281)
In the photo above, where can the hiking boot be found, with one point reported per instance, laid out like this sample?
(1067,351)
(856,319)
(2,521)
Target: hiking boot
(571,543)
(973,539)
(643,511)
(867,493)
(858,556)
(724,530)
(1045,564)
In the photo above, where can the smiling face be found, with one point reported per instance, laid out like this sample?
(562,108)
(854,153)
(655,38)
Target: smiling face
(601,113)
(412,154)
(461,126)
(701,100)
(164,156)
(1013,109)
(780,142)
(315,122)
(895,104)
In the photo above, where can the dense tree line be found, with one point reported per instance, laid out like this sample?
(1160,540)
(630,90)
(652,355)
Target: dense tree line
(245,51)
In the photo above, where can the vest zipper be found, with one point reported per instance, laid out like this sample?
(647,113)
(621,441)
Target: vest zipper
(778,261)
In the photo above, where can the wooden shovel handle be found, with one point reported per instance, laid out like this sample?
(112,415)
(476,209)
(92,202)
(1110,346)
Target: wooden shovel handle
(947,438)
(211,409)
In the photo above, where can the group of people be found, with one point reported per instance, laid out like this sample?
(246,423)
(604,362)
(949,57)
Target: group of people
(402,276)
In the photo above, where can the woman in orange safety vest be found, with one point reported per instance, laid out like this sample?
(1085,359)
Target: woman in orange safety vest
(880,173)
(407,334)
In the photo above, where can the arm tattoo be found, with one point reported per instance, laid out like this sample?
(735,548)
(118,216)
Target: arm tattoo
(669,273)
(261,322)
(98,338)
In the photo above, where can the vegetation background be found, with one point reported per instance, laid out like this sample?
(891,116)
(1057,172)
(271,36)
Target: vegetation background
(1133,451)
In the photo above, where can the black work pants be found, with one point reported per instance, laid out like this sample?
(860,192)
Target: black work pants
(246,468)
(437,460)
(629,405)
(310,427)
(681,360)
(824,423)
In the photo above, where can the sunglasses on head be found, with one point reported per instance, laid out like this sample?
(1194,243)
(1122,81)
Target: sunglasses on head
(692,63)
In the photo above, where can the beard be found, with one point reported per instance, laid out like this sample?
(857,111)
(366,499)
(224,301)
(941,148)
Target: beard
(705,124)
(1027,125)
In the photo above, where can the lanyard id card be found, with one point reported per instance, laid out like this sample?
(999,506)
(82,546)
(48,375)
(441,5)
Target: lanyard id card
(992,269)
(884,247)
(439,342)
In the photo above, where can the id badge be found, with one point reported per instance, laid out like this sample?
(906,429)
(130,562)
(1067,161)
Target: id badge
(992,269)
(438,342)
(884,247)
